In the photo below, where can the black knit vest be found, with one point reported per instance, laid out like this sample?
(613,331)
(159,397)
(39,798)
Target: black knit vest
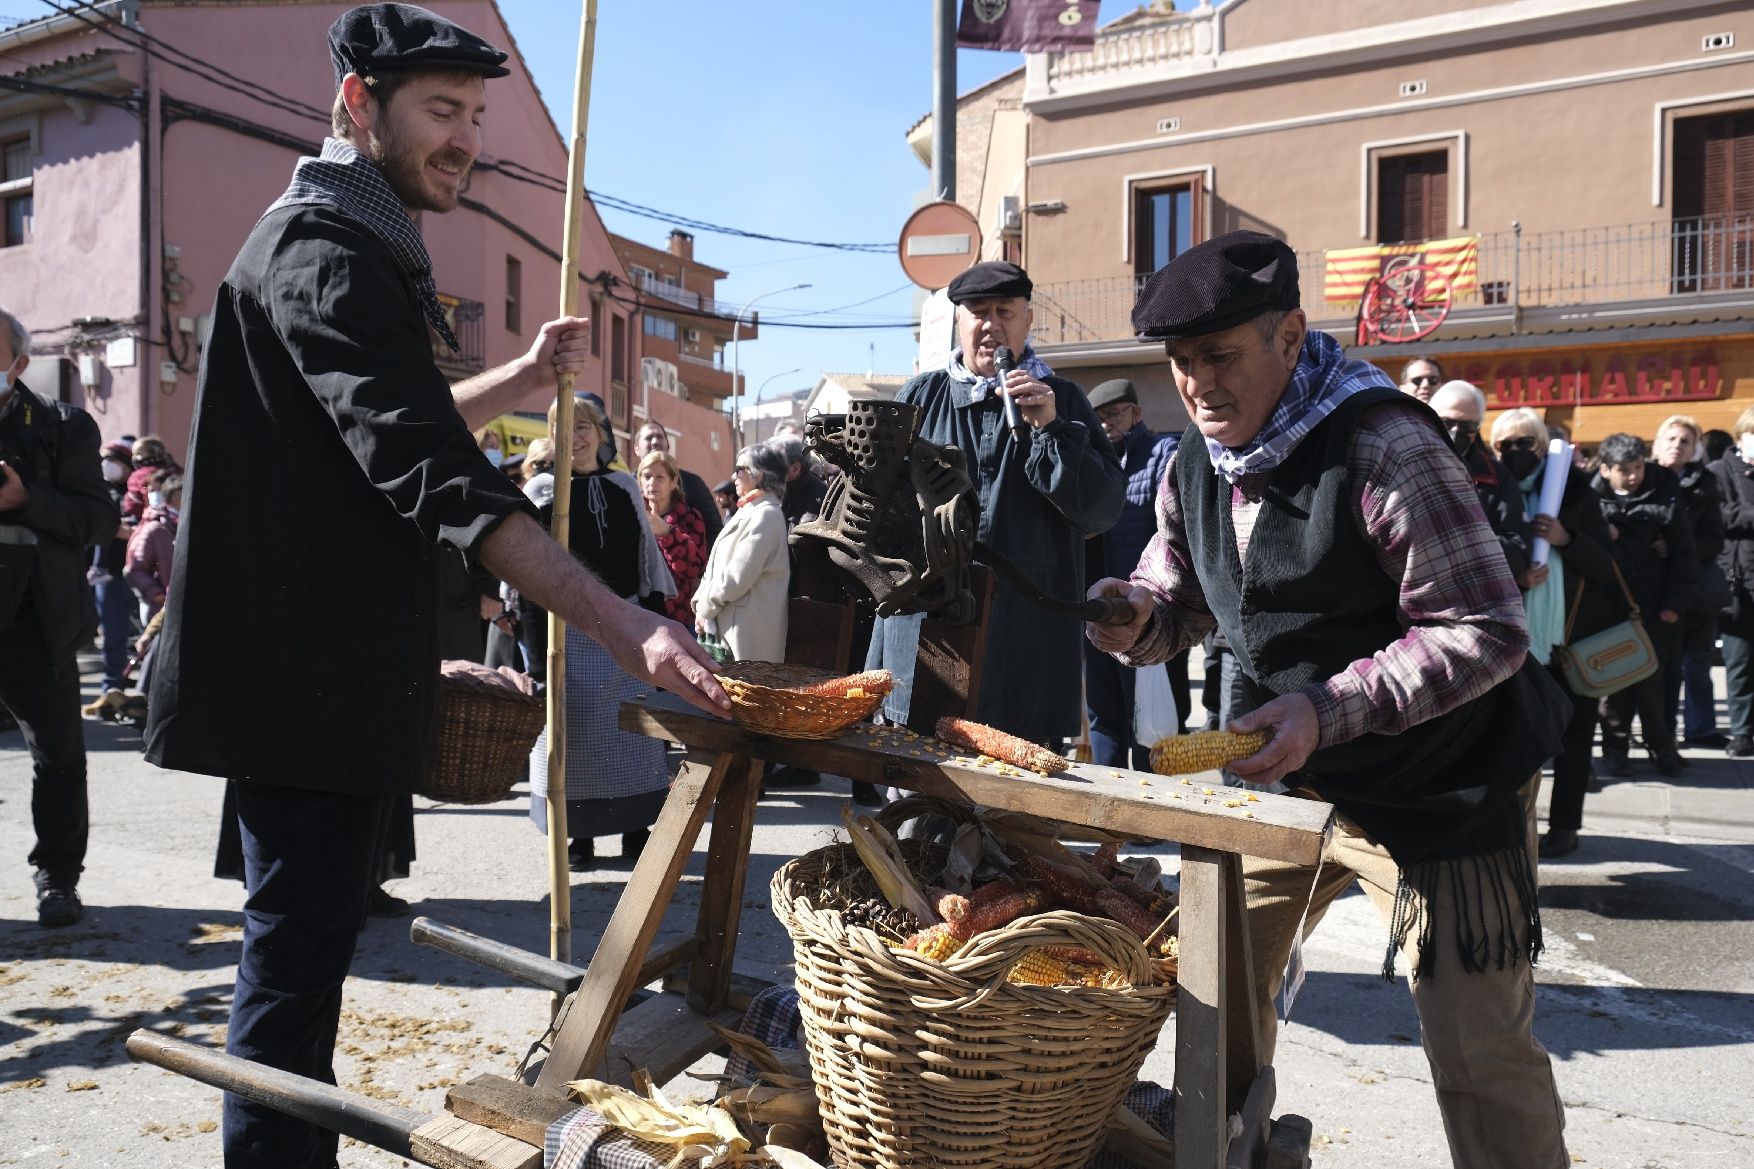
(1309,601)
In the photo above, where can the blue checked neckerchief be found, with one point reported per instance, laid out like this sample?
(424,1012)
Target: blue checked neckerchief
(1324,378)
(343,178)
(1029,363)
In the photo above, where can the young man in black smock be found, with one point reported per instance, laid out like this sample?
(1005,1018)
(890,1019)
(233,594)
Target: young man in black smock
(319,359)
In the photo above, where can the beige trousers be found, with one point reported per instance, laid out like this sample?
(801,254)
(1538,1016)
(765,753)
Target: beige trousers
(1501,1108)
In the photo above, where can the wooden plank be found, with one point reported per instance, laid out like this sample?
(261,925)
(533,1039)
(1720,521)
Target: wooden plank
(947,670)
(663,1036)
(1130,1137)
(1275,827)
(743,988)
(450,1142)
(507,1106)
(721,892)
(1243,1031)
(666,958)
(1249,1149)
(1201,1127)
(1288,1143)
(584,1037)
(820,634)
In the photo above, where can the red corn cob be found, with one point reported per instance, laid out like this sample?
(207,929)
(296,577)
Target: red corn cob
(1145,897)
(973,736)
(951,907)
(992,890)
(1104,860)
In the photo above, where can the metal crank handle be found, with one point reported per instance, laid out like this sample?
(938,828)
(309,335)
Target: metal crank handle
(1107,611)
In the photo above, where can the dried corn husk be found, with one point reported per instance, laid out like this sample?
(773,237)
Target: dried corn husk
(776,1067)
(763,1105)
(878,849)
(703,1135)
(787,1158)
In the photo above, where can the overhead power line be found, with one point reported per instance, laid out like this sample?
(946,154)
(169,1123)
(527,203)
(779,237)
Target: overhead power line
(139,38)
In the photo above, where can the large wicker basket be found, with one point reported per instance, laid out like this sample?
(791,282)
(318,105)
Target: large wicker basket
(484,741)
(946,1064)
(792,702)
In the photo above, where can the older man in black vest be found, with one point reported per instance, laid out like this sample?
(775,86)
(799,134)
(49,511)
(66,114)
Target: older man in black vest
(1317,516)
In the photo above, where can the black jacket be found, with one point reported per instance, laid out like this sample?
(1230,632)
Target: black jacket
(314,592)
(1502,501)
(1735,484)
(1588,559)
(1653,541)
(54,449)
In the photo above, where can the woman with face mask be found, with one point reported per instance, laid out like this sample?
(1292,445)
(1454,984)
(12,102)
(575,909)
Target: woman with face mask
(115,600)
(1735,482)
(1582,551)
(487,438)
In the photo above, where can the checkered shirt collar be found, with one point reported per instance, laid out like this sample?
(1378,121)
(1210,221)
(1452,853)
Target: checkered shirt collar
(343,178)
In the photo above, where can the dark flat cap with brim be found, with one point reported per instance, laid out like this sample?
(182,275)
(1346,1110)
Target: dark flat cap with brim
(378,38)
(1116,390)
(992,280)
(1217,285)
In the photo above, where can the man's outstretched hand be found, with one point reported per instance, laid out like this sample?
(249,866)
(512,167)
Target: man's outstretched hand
(1291,719)
(661,652)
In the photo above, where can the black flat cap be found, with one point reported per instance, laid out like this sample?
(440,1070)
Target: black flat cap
(1110,392)
(992,280)
(375,38)
(1216,286)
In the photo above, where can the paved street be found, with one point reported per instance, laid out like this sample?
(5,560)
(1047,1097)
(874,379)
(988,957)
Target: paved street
(1646,991)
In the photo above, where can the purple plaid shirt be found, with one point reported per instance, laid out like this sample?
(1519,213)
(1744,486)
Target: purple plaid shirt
(1459,607)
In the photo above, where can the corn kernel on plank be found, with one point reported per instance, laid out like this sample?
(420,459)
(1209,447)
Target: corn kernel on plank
(1203,751)
(973,736)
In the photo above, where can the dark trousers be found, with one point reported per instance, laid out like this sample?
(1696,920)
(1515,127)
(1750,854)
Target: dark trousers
(115,614)
(1571,767)
(1739,683)
(1108,695)
(1178,685)
(42,693)
(309,864)
(1646,698)
(1690,671)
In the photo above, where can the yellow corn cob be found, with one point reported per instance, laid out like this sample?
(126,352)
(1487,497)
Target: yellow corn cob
(937,943)
(1039,969)
(1203,751)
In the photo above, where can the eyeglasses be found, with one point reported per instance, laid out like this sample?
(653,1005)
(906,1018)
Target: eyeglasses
(1526,442)
(1459,426)
(1424,379)
(1113,413)
(740,469)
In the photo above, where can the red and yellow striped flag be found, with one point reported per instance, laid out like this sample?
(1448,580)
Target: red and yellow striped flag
(1350,269)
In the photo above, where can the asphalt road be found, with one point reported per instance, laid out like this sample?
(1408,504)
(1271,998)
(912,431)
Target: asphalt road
(1646,992)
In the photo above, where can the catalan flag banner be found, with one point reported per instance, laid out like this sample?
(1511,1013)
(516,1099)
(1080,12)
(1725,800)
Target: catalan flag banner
(1348,270)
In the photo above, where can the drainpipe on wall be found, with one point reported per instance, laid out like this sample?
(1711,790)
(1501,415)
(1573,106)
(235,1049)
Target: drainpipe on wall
(1516,276)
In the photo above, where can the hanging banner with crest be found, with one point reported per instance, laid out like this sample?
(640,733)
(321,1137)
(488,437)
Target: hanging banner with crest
(1028,26)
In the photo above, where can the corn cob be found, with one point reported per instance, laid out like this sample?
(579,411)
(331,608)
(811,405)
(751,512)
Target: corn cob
(1145,897)
(990,915)
(1203,751)
(991,891)
(973,736)
(937,943)
(1039,968)
(870,682)
(1104,858)
(1104,902)
(952,907)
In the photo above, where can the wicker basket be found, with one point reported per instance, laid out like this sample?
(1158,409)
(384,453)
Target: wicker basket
(776,698)
(484,741)
(946,1064)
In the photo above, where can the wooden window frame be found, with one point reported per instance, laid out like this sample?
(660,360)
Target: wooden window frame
(13,189)
(1371,153)
(1202,180)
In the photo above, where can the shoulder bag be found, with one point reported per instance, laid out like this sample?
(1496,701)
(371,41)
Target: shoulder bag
(1607,662)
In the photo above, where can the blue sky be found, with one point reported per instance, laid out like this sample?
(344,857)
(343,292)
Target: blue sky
(784,118)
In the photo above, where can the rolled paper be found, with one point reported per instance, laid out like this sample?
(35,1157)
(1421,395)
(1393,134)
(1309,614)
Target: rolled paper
(1552,491)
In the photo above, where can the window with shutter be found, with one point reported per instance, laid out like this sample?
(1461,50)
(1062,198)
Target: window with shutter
(1412,197)
(1714,202)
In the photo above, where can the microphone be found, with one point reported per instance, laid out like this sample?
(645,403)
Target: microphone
(1007,361)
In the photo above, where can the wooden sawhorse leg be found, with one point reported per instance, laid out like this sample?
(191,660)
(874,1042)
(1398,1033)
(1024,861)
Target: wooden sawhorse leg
(1217,1033)
(728,785)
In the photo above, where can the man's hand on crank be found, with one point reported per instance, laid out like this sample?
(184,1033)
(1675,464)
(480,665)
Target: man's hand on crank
(1291,720)
(1119,638)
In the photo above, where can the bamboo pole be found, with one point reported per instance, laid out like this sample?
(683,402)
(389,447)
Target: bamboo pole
(560,882)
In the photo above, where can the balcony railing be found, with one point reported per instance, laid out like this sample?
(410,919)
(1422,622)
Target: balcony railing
(1167,43)
(1655,265)
(468,321)
(677,295)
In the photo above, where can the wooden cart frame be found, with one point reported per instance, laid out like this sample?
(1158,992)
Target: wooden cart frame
(497,1123)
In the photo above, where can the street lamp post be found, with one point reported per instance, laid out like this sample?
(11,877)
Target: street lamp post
(736,369)
(755,406)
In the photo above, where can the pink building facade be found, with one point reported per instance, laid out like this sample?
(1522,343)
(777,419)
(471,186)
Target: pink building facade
(147,167)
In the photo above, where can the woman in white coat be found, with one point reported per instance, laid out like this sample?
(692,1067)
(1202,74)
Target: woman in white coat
(742,598)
